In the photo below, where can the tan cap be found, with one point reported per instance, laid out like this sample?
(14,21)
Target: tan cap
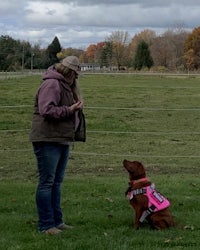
(72,62)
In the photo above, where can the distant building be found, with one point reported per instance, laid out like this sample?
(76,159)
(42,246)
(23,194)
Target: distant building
(90,67)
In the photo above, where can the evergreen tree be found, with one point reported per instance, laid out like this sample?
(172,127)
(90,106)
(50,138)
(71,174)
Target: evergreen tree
(52,51)
(106,54)
(8,54)
(143,57)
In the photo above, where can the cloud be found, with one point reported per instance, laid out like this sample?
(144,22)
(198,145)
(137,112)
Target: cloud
(81,22)
(143,3)
(127,15)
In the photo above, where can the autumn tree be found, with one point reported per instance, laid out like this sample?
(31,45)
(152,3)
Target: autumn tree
(167,49)
(120,41)
(177,40)
(161,52)
(192,50)
(83,58)
(100,47)
(91,53)
(146,35)
(69,52)
(143,57)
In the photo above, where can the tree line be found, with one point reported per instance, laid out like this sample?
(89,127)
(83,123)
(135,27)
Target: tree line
(174,50)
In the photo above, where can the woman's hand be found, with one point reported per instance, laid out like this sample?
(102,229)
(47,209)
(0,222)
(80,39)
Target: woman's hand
(76,106)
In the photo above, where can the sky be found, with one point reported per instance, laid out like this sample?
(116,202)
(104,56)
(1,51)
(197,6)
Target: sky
(79,23)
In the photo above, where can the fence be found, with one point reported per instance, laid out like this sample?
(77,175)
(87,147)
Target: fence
(166,141)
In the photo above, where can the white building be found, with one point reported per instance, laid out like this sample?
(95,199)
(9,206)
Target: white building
(90,67)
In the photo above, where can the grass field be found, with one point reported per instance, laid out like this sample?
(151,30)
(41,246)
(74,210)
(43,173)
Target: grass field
(152,119)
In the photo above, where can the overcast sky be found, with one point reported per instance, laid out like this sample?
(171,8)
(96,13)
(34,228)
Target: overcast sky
(80,23)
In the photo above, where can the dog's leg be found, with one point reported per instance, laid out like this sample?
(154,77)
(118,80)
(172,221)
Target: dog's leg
(138,214)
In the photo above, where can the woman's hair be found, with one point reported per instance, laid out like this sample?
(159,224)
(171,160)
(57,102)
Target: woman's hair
(67,73)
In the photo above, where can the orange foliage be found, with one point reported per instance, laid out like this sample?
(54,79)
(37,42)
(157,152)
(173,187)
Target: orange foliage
(192,49)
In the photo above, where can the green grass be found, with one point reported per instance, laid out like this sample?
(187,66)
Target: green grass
(148,118)
(100,214)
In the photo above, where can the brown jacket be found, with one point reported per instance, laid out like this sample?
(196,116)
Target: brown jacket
(52,120)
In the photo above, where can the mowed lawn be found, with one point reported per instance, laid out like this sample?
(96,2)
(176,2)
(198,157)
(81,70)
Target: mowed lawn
(153,119)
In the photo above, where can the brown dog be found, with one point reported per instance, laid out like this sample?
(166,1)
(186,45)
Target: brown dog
(147,202)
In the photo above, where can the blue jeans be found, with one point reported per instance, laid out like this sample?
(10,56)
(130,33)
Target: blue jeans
(52,159)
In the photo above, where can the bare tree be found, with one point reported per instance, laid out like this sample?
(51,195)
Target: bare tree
(120,41)
(167,50)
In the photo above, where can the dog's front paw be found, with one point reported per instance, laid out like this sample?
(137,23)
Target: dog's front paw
(136,226)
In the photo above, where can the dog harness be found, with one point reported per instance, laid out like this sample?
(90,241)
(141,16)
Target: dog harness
(156,201)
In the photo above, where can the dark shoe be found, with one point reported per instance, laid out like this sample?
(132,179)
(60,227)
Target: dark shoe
(52,231)
(64,226)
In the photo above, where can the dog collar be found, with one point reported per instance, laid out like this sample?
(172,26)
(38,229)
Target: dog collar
(139,180)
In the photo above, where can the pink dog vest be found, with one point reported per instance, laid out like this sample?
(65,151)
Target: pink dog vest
(156,201)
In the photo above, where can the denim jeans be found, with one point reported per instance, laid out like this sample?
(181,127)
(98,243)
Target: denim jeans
(52,159)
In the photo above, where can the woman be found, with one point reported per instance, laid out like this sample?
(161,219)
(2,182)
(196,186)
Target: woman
(55,126)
